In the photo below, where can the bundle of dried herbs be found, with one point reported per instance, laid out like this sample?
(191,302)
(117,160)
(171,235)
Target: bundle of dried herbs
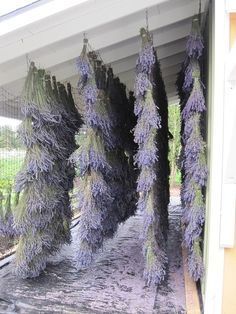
(43,214)
(147,133)
(94,196)
(194,152)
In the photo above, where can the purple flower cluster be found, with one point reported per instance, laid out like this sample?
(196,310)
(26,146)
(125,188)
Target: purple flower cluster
(95,196)
(91,158)
(146,59)
(142,84)
(194,47)
(7,226)
(146,179)
(148,121)
(145,135)
(195,102)
(90,94)
(190,71)
(153,248)
(194,167)
(195,264)
(146,155)
(83,67)
(43,214)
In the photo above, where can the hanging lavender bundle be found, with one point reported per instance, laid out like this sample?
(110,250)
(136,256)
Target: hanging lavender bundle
(130,148)
(69,124)
(94,195)
(131,123)
(111,142)
(145,135)
(194,50)
(194,153)
(121,180)
(6,217)
(163,167)
(72,122)
(41,216)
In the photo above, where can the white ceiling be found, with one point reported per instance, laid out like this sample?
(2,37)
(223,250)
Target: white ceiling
(53,38)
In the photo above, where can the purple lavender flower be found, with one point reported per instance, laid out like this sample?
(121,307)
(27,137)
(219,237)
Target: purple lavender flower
(6,226)
(191,70)
(194,46)
(188,192)
(194,163)
(96,199)
(195,262)
(156,260)
(146,179)
(43,213)
(146,131)
(83,67)
(146,59)
(90,94)
(194,219)
(196,101)
(138,106)
(142,84)
(146,156)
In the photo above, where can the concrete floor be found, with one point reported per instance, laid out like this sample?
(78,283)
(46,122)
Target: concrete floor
(113,284)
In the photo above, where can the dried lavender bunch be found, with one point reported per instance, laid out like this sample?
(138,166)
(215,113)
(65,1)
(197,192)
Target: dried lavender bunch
(41,216)
(72,122)
(145,135)
(94,195)
(6,217)
(122,180)
(194,154)
(163,170)
(184,83)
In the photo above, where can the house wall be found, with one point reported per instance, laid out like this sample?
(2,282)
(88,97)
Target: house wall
(212,285)
(232,29)
(229,285)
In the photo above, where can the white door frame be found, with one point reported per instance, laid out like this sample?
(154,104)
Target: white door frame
(220,221)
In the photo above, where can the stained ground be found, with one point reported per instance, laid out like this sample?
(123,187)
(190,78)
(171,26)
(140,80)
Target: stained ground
(112,284)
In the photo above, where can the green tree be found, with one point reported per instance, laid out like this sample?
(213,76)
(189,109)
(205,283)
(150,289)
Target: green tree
(9,138)
(174,144)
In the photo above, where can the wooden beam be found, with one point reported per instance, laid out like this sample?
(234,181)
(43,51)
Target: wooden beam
(191,294)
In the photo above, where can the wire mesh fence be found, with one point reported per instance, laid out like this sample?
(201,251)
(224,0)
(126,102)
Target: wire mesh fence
(11,149)
(11,159)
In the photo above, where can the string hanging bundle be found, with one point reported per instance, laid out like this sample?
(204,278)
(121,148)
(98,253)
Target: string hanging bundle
(194,174)
(94,196)
(146,134)
(105,187)
(43,214)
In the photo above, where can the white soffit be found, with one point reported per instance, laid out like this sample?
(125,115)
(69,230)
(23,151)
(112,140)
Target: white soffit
(53,37)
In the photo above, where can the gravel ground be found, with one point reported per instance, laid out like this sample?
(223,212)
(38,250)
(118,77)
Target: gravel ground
(113,284)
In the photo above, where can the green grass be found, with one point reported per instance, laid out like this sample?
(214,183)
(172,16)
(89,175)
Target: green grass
(178,178)
(9,167)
